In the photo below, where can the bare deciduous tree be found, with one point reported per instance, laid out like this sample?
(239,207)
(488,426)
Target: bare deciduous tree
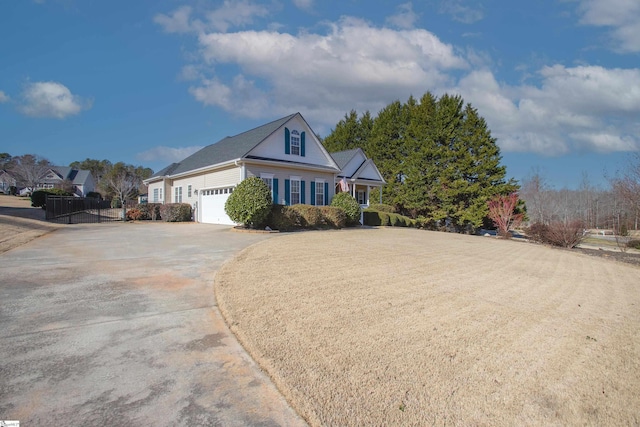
(29,170)
(123,183)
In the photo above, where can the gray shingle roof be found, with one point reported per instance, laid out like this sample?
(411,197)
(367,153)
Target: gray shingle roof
(229,148)
(343,157)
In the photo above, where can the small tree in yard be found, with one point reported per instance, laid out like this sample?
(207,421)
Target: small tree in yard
(123,183)
(250,202)
(349,205)
(502,211)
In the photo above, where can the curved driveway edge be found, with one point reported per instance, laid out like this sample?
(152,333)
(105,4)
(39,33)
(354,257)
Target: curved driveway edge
(116,324)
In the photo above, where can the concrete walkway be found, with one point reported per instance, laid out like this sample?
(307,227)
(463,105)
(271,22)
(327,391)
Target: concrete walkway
(116,324)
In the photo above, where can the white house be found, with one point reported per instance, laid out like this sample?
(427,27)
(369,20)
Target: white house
(285,153)
(78,181)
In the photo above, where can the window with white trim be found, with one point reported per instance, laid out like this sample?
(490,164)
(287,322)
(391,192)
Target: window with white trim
(268,179)
(319,193)
(160,193)
(177,195)
(295,191)
(295,142)
(155,195)
(189,190)
(362,197)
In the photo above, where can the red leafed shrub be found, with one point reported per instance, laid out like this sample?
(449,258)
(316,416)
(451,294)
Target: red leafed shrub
(502,213)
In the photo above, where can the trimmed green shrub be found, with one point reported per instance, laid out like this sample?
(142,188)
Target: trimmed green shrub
(333,216)
(250,202)
(175,212)
(311,215)
(298,217)
(635,244)
(39,197)
(350,206)
(381,207)
(149,211)
(284,218)
(376,218)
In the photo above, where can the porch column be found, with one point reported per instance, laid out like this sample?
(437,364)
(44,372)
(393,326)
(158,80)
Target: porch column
(368,192)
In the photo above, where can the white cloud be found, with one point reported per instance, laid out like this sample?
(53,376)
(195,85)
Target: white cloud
(230,14)
(51,99)
(623,16)
(4,97)
(167,154)
(235,13)
(354,63)
(460,12)
(585,108)
(303,4)
(405,18)
(176,22)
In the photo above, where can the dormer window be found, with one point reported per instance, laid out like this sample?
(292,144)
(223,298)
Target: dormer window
(295,143)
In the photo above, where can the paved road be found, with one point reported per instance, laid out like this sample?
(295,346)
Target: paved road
(116,324)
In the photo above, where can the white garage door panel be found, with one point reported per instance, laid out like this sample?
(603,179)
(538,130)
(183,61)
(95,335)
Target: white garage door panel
(212,206)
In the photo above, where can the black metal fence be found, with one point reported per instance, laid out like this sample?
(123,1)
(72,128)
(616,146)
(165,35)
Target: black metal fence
(80,210)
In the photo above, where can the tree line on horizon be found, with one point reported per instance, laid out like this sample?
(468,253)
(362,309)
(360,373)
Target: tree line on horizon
(119,180)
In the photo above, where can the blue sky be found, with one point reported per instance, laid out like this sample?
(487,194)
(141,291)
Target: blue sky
(150,82)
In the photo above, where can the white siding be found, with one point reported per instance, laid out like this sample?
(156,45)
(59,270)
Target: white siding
(155,186)
(285,173)
(220,178)
(369,172)
(356,161)
(273,146)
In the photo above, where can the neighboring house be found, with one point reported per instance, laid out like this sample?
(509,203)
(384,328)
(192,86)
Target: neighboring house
(285,153)
(79,182)
(6,181)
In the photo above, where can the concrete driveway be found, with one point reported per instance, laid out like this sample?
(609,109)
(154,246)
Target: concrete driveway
(117,324)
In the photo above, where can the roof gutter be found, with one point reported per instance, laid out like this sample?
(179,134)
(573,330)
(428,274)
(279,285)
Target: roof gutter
(192,171)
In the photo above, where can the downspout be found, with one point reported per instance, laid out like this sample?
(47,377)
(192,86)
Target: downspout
(243,170)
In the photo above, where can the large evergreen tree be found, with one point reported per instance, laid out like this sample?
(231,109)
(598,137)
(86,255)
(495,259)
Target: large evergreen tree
(350,132)
(437,156)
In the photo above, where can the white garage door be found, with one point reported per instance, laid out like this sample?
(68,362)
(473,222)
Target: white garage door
(212,206)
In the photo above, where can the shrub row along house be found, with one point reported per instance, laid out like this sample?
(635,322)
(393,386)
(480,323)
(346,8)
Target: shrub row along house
(285,153)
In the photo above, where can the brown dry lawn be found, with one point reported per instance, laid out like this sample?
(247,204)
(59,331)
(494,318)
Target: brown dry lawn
(408,327)
(20,223)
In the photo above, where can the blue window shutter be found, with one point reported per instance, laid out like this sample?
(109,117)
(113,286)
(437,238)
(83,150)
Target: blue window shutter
(302,192)
(302,144)
(313,193)
(275,191)
(287,192)
(287,141)
(326,193)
